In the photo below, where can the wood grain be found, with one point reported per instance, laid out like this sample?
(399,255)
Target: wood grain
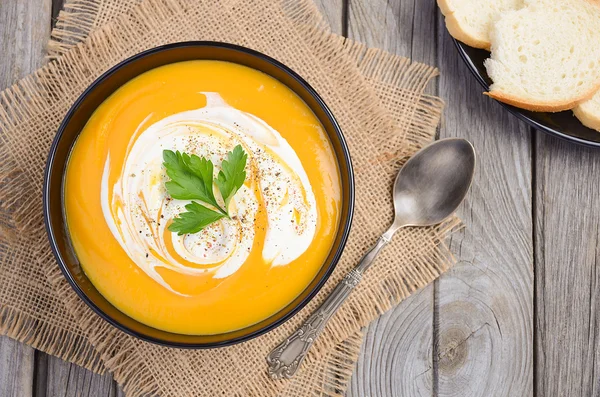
(403,27)
(396,357)
(55,377)
(333,13)
(484,306)
(16,368)
(69,380)
(568,279)
(24,30)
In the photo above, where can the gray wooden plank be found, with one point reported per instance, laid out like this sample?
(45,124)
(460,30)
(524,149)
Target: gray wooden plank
(484,306)
(567,199)
(332,11)
(40,378)
(69,380)
(403,27)
(396,357)
(16,368)
(24,29)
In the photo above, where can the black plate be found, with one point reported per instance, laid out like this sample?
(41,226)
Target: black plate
(562,124)
(78,116)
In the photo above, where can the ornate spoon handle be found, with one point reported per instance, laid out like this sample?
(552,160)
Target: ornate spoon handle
(286,358)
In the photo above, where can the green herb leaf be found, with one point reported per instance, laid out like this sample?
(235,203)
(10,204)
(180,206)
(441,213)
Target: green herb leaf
(196,218)
(191,178)
(232,174)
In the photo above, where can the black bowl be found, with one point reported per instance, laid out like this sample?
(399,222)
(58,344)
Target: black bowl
(562,124)
(78,116)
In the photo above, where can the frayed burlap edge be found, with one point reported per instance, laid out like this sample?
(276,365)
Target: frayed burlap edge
(54,340)
(74,23)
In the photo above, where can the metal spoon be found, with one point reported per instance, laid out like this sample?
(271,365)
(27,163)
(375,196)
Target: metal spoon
(427,190)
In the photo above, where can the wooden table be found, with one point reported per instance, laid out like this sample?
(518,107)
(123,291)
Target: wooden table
(517,316)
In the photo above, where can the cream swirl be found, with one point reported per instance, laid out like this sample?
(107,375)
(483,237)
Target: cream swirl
(138,209)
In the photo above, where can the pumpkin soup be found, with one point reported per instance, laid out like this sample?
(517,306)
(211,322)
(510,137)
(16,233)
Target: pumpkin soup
(242,267)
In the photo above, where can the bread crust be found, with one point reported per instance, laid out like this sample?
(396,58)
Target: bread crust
(590,120)
(552,107)
(459,34)
(455,30)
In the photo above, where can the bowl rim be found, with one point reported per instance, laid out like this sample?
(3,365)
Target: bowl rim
(345,224)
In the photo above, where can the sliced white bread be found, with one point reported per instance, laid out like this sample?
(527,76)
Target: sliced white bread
(588,112)
(546,55)
(470,21)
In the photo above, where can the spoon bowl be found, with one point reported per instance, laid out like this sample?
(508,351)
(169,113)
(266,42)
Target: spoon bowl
(433,183)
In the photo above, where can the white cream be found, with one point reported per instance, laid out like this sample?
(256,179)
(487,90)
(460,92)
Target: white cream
(139,209)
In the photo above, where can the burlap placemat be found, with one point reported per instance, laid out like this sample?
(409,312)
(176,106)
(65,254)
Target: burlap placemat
(378,100)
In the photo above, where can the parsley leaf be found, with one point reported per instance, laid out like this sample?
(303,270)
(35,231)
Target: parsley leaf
(196,218)
(192,179)
(232,174)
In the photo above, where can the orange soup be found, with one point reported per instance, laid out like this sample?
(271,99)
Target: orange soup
(237,270)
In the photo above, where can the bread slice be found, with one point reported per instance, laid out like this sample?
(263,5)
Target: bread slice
(588,112)
(546,56)
(470,21)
